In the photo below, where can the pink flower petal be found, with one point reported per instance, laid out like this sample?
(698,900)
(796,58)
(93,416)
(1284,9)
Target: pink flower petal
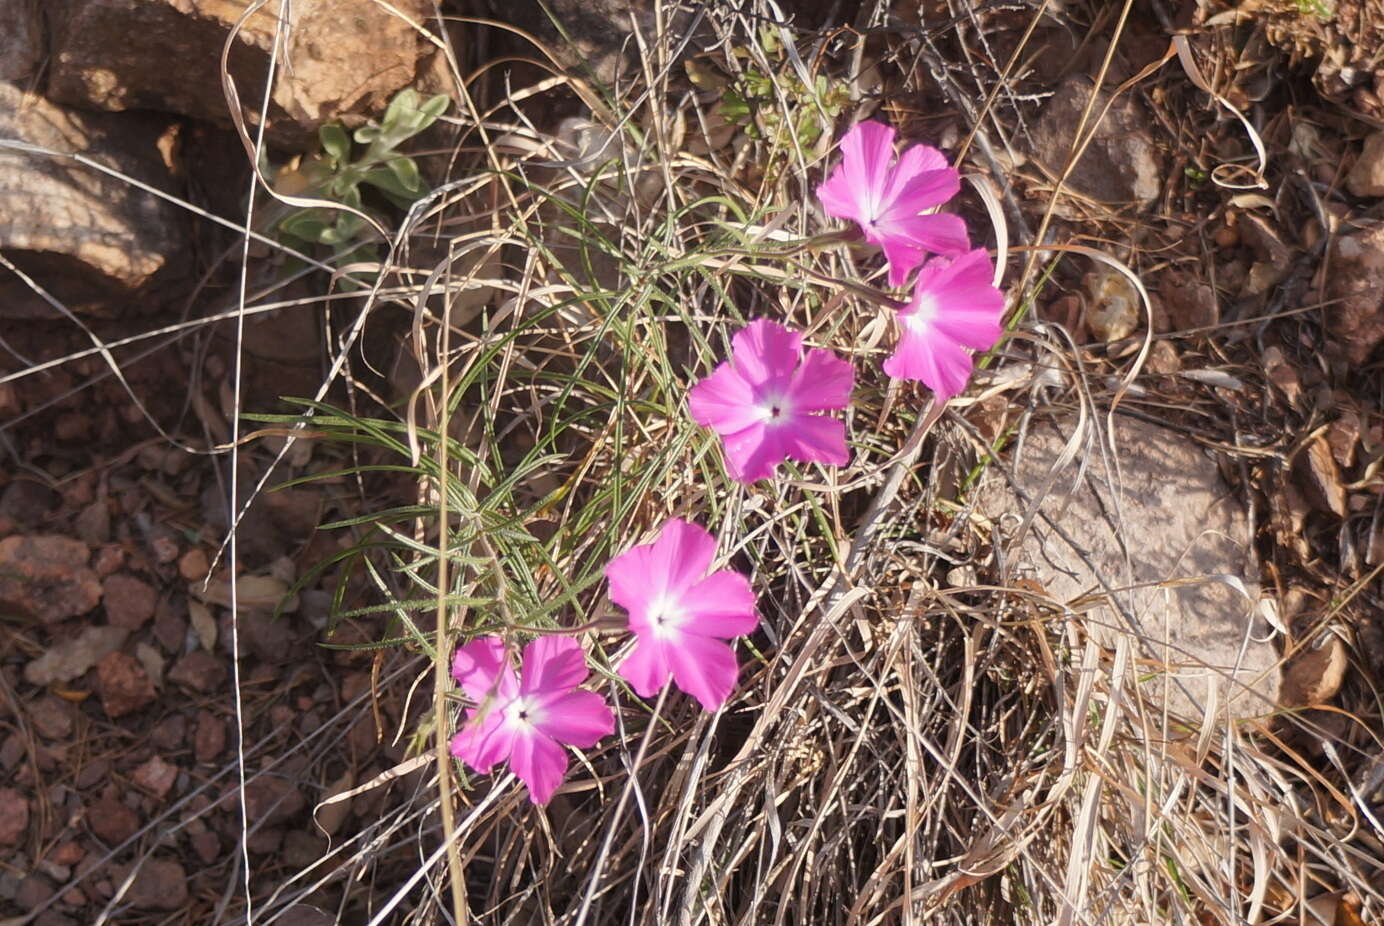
(942,364)
(540,763)
(973,268)
(910,193)
(838,198)
(681,555)
(867,151)
(629,580)
(721,605)
(917,159)
(705,669)
(822,383)
(959,301)
(972,318)
(753,454)
(940,232)
(724,401)
(901,256)
(646,668)
(814,439)
(577,717)
(777,386)
(906,241)
(482,669)
(885,197)
(552,663)
(480,744)
(766,353)
(678,557)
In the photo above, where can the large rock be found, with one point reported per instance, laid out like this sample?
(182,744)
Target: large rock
(1167,516)
(21,39)
(92,240)
(342,57)
(1356,286)
(594,37)
(1120,164)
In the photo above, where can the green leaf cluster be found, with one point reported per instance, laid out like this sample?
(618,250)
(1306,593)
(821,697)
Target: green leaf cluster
(340,172)
(778,105)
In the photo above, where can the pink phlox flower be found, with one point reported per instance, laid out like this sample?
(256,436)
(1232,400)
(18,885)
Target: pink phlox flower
(954,306)
(762,402)
(526,718)
(680,616)
(884,197)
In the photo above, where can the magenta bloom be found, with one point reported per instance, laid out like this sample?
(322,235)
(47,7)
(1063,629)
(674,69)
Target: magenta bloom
(527,719)
(885,198)
(954,306)
(680,616)
(762,401)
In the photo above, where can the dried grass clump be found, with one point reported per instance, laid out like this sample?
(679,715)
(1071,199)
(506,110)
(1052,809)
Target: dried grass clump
(901,747)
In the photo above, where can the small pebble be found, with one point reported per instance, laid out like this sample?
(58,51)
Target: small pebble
(193,566)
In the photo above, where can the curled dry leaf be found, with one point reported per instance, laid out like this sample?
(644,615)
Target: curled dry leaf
(1374,548)
(253,593)
(1114,306)
(1348,910)
(66,661)
(153,662)
(203,624)
(336,804)
(1315,675)
(1343,436)
(1282,375)
(1320,477)
(1289,510)
(1273,257)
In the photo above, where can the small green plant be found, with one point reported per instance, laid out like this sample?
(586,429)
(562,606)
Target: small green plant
(336,175)
(753,102)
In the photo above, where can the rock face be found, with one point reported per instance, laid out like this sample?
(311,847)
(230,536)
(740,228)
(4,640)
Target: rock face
(47,577)
(1366,177)
(21,44)
(595,36)
(90,239)
(341,57)
(1167,516)
(1357,281)
(1119,165)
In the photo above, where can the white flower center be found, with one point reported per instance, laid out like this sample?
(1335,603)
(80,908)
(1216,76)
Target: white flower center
(775,409)
(665,617)
(923,315)
(524,712)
